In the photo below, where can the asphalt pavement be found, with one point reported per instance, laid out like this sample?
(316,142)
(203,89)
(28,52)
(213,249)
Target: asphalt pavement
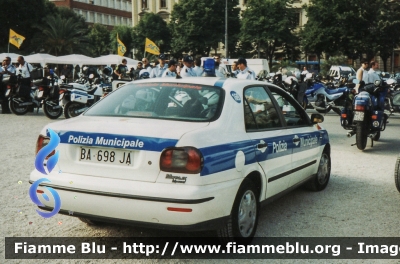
(361,199)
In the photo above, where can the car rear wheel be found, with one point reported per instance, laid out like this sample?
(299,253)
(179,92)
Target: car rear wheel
(320,181)
(397,174)
(242,224)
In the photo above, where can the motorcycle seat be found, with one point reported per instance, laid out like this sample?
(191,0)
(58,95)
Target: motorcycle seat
(66,86)
(335,91)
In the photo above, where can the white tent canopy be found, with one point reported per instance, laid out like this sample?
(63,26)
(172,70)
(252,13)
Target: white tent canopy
(41,58)
(13,56)
(112,59)
(74,59)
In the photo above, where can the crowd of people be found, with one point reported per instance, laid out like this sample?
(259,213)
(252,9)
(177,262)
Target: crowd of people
(183,68)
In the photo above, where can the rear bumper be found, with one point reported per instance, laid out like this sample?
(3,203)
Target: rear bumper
(141,203)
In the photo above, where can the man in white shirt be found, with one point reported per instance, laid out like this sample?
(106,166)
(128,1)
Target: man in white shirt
(24,69)
(6,70)
(171,71)
(244,71)
(158,71)
(198,70)
(146,65)
(362,74)
(187,70)
(372,75)
(305,71)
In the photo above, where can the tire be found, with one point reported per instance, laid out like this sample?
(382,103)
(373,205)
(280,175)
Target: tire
(377,136)
(50,112)
(323,111)
(90,222)
(397,174)
(69,109)
(17,110)
(321,180)
(361,136)
(245,207)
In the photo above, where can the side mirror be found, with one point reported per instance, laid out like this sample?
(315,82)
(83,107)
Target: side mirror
(317,118)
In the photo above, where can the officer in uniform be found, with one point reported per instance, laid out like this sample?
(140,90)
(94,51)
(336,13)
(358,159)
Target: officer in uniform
(171,71)
(158,71)
(187,70)
(244,71)
(6,70)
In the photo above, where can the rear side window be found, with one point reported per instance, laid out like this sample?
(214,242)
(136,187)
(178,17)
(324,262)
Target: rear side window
(185,102)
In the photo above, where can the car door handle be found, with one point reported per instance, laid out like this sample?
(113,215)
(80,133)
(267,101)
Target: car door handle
(262,145)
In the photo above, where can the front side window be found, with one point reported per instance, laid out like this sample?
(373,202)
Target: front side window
(259,110)
(184,102)
(292,112)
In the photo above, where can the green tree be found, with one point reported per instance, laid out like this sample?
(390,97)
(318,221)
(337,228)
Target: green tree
(198,26)
(62,36)
(21,17)
(99,37)
(125,35)
(267,25)
(151,26)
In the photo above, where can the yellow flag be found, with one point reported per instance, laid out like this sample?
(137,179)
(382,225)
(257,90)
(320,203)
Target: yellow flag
(151,47)
(16,39)
(121,47)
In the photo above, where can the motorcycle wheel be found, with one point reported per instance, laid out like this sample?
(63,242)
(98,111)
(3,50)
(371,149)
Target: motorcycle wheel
(50,112)
(17,110)
(397,174)
(377,136)
(361,136)
(323,111)
(70,108)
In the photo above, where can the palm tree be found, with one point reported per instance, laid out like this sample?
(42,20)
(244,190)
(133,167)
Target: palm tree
(62,36)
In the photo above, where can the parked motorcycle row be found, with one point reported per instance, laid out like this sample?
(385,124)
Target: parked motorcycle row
(56,96)
(365,115)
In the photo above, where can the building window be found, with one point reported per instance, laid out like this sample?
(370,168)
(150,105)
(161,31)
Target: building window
(123,5)
(117,4)
(163,3)
(296,18)
(144,4)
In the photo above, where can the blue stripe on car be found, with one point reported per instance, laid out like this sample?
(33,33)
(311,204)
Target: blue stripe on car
(220,82)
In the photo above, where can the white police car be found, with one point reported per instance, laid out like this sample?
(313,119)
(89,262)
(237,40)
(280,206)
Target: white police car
(185,154)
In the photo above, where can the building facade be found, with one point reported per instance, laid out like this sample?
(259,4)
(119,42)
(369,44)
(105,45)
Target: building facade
(106,12)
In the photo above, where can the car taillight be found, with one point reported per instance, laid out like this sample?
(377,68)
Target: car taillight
(8,86)
(41,142)
(359,108)
(41,88)
(181,160)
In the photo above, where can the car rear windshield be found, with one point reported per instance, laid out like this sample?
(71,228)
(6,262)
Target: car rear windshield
(176,101)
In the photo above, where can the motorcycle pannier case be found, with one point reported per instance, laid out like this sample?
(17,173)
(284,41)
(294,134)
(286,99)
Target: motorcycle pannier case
(79,96)
(23,90)
(54,92)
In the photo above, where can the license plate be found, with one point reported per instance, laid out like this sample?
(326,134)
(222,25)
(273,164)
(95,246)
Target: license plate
(358,116)
(113,157)
(8,92)
(40,94)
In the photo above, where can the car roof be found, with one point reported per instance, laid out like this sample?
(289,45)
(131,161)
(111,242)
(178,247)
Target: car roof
(225,83)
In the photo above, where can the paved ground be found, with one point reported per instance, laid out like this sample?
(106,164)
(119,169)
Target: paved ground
(360,201)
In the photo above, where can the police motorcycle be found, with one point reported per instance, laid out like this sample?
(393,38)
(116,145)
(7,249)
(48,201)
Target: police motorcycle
(48,94)
(365,116)
(21,98)
(321,98)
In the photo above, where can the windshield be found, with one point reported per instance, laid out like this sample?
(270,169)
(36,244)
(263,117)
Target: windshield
(186,102)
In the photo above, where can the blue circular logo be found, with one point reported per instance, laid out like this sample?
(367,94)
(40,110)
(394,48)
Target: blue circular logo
(236,97)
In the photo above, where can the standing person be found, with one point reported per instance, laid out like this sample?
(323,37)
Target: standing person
(179,66)
(305,71)
(362,74)
(198,70)
(171,71)
(24,69)
(219,66)
(7,70)
(121,70)
(187,70)
(65,71)
(235,69)
(137,71)
(158,71)
(244,71)
(372,74)
(146,65)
